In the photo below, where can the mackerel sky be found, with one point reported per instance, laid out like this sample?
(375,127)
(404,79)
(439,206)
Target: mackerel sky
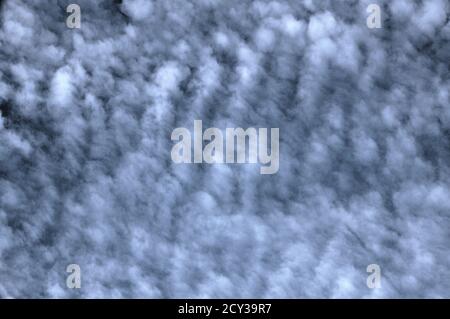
(86,175)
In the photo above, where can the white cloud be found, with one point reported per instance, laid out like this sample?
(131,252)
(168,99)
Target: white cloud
(86,175)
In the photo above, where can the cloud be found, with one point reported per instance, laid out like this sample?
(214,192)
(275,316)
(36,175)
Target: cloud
(86,175)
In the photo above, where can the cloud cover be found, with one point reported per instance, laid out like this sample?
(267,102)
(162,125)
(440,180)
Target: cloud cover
(86,175)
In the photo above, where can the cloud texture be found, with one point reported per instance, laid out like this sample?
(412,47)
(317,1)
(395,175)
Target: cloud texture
(86,175)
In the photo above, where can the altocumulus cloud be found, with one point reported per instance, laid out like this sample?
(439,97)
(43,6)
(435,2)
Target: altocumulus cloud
(86,175)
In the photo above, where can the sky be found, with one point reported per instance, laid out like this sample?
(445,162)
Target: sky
(86,175)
